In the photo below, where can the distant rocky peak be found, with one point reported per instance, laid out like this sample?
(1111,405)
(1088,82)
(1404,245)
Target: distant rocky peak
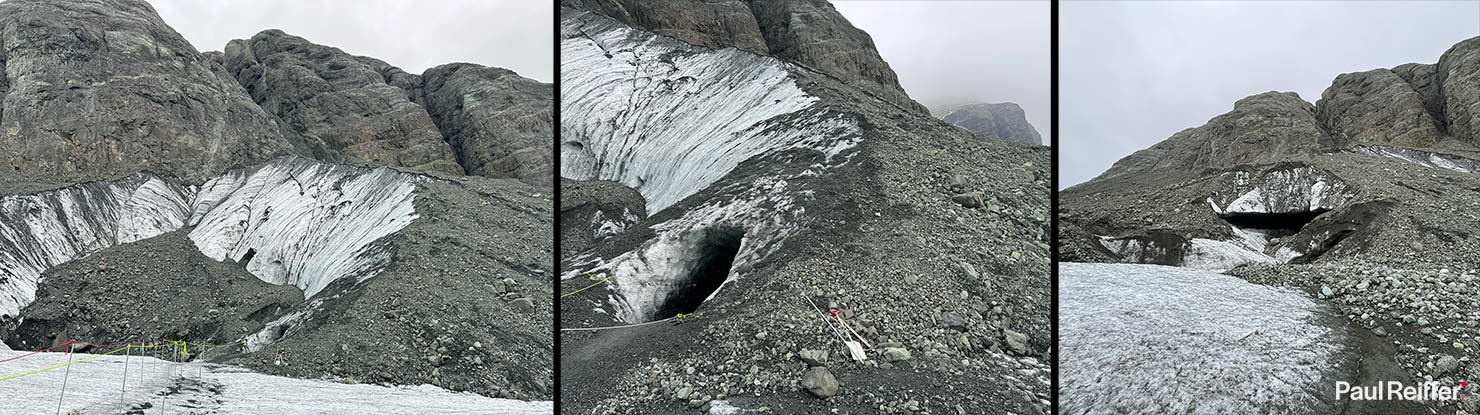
(1004,121)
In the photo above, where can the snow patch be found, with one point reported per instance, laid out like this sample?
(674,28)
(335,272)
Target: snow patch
(94,387)
(1157,339)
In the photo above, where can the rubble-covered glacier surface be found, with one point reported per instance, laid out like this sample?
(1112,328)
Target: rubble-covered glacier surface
(1157,339)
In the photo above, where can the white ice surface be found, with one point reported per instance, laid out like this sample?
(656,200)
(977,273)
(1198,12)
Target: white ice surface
(310,223)
(94,387)
(1424,158)
(1157,339)
(41,230)
(669,119)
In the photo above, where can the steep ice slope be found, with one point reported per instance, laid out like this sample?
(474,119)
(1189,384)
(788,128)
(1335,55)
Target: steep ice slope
(306,223)
(303,223)
(669,119)
(41,230)
(1156,339)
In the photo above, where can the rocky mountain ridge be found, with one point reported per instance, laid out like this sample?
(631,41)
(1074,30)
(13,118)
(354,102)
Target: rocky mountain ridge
(1000,121)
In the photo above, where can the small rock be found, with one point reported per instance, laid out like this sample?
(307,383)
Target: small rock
(1379,331)
(1445,364)
(968,200)
(523,304)
(896,354)
(820,381)
(953,322)
(1018,342)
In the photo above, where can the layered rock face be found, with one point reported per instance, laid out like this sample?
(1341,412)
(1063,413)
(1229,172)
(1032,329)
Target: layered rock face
(498,123)
(100,88)
(768,185)
(808,32)
(454,118)
(146,185)
(1367,133)
(341,104)
(1002,121)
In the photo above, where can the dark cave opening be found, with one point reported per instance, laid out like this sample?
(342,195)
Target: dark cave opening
(246,259)
(712,259)
(1274,224)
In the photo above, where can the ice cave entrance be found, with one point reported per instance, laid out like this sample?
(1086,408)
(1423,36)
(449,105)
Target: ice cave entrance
(708,269)
(246,259)
(1273,224)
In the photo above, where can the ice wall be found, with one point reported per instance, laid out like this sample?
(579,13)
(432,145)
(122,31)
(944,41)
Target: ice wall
(306,223)
(670,119)
(41,230)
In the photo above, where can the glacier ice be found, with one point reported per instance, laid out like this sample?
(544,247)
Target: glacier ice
(94,388)
(44,229)
(669,119)
(307,223)
(1158,339)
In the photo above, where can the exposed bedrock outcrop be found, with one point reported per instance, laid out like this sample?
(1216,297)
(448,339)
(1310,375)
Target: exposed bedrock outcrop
(1001,121)
(95,89)
(340,104)
(498,123)
(807,32)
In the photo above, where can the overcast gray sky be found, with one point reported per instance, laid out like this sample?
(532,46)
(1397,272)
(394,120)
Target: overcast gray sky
(1133,73)
(950,52)
(413,35)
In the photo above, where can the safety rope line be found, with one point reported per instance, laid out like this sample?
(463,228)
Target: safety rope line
(674,318)
(99,356)
(179,346)
(598,282)
(37,352)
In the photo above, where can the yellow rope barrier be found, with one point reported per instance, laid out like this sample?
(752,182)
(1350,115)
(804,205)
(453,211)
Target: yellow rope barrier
(598,282)
(65,364)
